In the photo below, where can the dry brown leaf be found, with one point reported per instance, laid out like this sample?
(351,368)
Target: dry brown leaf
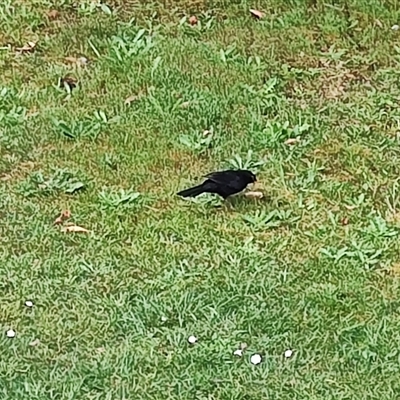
(256,13)
(292,141)
(70,81)
(378,23)
(185,104)
(53,14)
(29,47)
(74,229)
(79,61)
(344,221)
(193,20)
(131,99)
(65,214)
(71,60)
(254,195)
(34,342)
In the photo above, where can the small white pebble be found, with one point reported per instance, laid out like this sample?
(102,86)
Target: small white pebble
(288,353)
(255,359)
(10,333)
(192,339)
(238,353)
(395,27)
(164,318)
(29,303)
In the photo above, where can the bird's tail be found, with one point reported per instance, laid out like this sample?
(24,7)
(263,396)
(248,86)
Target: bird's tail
(192,192)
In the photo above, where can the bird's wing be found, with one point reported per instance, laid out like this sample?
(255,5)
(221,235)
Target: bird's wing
(227,178)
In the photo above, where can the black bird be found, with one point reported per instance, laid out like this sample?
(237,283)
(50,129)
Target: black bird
(223,183)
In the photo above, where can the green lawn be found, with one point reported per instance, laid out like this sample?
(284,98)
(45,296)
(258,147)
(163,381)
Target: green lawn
(307,97)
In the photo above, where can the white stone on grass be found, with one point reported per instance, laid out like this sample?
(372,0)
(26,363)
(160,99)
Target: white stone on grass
(192,339)
(288,353)
(29,303)
(256,359)
(238,353)
(11,333)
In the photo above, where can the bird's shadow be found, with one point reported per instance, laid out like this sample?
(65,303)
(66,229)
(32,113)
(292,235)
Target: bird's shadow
(242,200)
(232,203)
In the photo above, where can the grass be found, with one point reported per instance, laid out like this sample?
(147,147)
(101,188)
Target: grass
(312,267)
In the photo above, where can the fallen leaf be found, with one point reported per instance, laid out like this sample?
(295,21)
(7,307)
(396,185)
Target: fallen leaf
(68,81)
(65,214)
(29,47)
(378,23)
(53,14)
(34,342)
(100,350)
(256,13)
(254,195)
(74,229)
(131,99)
(80,61)
(193,20)
(292,141)
(243,346)
(344,221)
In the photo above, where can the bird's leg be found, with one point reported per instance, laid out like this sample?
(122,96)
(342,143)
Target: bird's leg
(228,203)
